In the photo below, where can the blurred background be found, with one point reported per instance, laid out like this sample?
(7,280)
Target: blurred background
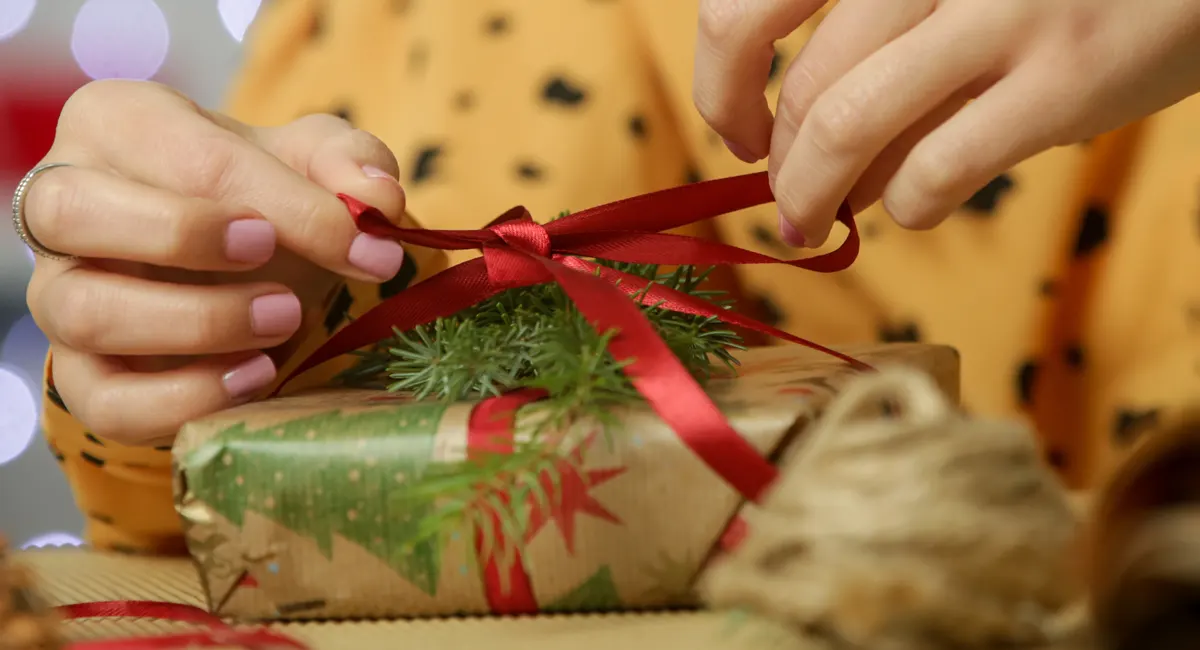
(49,48)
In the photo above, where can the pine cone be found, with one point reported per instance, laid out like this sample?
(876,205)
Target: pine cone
(26,622)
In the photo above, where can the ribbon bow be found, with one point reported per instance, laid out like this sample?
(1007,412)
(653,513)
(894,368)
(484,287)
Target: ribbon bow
(517,252)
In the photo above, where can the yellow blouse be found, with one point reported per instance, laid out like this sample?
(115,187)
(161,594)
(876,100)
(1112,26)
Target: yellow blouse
(1070,284)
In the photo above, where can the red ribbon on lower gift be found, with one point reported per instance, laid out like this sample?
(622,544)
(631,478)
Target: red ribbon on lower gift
(517,252)
(216,634)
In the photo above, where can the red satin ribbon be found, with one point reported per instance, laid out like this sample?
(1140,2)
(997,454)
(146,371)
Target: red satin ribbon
(218,634)
(520,252)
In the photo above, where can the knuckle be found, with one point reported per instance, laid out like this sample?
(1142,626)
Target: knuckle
(52,201)
(212,169)
(322,123)
(91,109)
(91,102)
(372,149)
(205,327)
(721,21)
(833,126)
(321,234)
(713,111)
(933,174)
(175,240)
(77,315)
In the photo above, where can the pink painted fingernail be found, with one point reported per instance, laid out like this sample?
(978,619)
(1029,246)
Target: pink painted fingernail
(250,377)
(378,257)
(789,234)
(743,154)
(249,241)
(275,315)
(374,172)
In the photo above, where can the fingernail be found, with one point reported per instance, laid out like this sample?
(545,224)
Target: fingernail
(275,315)
(743,154)
(375,172)
(250,377)
(789,234)
(249,241)
(381,258)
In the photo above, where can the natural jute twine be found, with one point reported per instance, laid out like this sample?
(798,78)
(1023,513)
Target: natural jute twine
(922,529)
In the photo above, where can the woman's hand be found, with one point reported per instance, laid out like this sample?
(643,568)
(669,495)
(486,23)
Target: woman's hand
(922,102)
(200,241)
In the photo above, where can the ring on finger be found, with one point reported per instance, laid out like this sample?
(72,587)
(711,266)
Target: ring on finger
(18,214)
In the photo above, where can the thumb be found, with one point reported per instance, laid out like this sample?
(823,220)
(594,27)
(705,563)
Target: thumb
(340,158)
(343,160)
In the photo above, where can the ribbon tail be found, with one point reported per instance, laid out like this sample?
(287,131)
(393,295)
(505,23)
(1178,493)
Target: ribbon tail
(664,297)
(667,386)
(445,294)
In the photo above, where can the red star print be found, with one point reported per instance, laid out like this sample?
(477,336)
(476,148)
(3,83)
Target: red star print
(571,496)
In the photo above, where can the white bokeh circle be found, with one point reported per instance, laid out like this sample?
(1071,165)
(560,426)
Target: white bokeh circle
(51,540)
(237,15)
(24,346)
(18,414)
(14,16)
(120,39)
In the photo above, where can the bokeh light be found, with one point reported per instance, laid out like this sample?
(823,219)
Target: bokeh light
(50,540)
(18,414)
(237,15)
(120,39)
(25,346)
(14,16)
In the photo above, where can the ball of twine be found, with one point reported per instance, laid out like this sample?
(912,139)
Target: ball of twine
(899,523)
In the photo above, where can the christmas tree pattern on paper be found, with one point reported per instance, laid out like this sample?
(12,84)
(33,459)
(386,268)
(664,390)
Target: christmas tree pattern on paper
(327,475)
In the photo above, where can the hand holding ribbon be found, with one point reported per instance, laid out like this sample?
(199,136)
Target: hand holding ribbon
(517,252)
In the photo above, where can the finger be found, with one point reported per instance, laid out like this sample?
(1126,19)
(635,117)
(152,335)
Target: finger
(105,313)
(145,409)
(347,161)
(852,122)
(872,182)
(734,46)
(853,30)
(89,213)
(1021,115)
(159,139)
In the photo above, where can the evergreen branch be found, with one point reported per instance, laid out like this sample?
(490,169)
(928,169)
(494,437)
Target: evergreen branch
(529,337)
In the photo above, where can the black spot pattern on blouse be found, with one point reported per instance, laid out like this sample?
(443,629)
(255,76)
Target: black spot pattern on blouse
(497,25)
(1093,230)
(464,100)
(424,163)
(987,199)
(776,63)
(905,332)
(560,91)
(1026,375)
(529,171)
(404,277)
(339,310)
(637,127)
(55,398)
(771,314)
(1129,424)
(1073,356)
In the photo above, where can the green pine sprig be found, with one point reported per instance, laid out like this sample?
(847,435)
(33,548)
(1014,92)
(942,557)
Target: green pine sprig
(529,337)
(535,337)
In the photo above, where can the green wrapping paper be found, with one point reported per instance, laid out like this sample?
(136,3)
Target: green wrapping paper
(351,503)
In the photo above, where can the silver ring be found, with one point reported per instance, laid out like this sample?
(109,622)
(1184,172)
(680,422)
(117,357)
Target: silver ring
(18,214)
